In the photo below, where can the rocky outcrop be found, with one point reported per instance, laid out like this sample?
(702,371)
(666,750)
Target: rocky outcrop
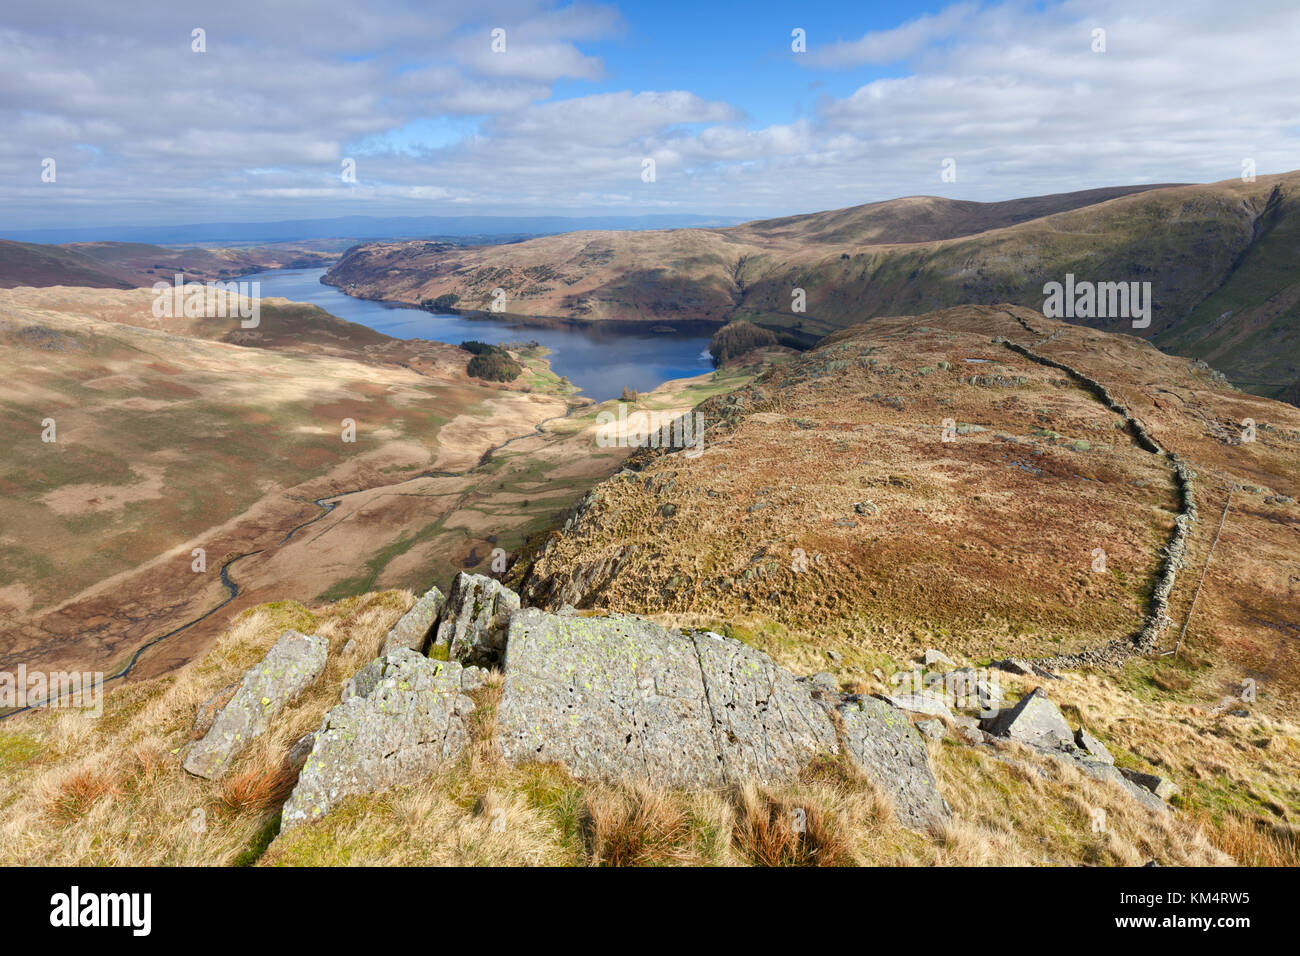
(1032,720)
(1037,723)
(1093,747)
(403,716)
(210,708)
(932,705)
(289,668)
(474,622)
(413,629)
(1161,787)
(620,698)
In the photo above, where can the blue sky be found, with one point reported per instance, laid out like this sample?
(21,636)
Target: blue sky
(140,128)
(744,57)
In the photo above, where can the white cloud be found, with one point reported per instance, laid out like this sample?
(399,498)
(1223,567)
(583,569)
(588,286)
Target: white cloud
(900,43)
(1012,92)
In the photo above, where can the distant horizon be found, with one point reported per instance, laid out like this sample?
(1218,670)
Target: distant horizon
(413,227)
(240,231)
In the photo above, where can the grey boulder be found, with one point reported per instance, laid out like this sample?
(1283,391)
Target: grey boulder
(289,668)
(931,705)
(931,727)
(619,698)
(403,717)
(1093,747)
(1013,665)
(882,743)
(413,629)
(1163,788)
(1033,720)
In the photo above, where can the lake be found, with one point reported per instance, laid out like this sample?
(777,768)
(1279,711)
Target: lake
(600,361)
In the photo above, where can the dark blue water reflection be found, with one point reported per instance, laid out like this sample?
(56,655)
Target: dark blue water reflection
(600,361)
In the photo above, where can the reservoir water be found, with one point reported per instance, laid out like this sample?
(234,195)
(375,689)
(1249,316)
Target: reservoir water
(600,361)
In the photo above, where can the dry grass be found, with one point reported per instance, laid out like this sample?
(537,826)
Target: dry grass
(777,829)
(258,788)
(1251,841)
(111,791)
(630,826)
(75,794)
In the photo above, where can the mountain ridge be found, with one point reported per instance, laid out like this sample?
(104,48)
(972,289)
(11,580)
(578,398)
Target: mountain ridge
(1207,249)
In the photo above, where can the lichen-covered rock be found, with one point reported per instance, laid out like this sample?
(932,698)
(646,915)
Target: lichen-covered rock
(300,751)
(1033,720)
(884,745)
(619,698)
(931,727)
(404,716)
(289,668)
(414,627)
(475,619)
(208,710)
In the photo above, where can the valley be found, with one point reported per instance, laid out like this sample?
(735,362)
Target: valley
(176,435)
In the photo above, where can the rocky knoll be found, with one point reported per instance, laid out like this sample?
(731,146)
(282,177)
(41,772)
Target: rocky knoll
(402,715)
(614,698)
(620,699)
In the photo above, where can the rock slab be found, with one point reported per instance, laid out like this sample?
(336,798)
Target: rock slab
(883,744)
(619,698)
(413,628)
(403,716)
(289,668)
(1033,720)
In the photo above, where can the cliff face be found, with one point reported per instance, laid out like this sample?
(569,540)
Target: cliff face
(945,478)
(1219,259)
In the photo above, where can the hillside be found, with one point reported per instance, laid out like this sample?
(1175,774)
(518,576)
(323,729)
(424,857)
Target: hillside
(983,544)
(828,529)
(128,265)
(195,433)
(1220,259)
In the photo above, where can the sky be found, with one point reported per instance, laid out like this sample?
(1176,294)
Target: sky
(112,116)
